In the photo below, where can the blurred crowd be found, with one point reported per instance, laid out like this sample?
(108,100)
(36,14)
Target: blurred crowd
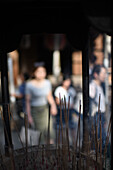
(55,109)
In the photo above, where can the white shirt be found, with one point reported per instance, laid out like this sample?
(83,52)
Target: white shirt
(61,92)
(94,92)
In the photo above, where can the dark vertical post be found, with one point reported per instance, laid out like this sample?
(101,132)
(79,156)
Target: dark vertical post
(85,88)
(5,100)
(111,106)
(111,17)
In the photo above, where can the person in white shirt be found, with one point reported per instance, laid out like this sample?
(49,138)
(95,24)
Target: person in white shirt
(67,91)
(96,90)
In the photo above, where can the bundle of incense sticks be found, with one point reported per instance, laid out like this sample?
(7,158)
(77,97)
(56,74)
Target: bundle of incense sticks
(61,155)
(107,138)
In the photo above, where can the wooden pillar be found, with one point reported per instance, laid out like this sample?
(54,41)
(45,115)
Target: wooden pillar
(85,87)
(111,108)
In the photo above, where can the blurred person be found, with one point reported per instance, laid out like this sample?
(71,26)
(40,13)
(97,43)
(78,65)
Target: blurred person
(38,99)
(95,89)
(20,95)
(22,88)
(66,90)
(92,62)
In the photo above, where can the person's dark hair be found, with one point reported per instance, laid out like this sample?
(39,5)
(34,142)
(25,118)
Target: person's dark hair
(37,65)
(66,76)
(26,76)
(93,59)
(97,69)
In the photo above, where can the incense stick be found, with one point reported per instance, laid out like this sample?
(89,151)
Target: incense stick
(92,136)
(96,128)
(107,137)
(78,131)
(59,134)
(17,130)
(79,134)
(68,107)
(61,117)
(96,139)
(39,140)
(100,142)
(98,112)
(66,122)
(26,132)
(78,128)
(48,135)
(99,108)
